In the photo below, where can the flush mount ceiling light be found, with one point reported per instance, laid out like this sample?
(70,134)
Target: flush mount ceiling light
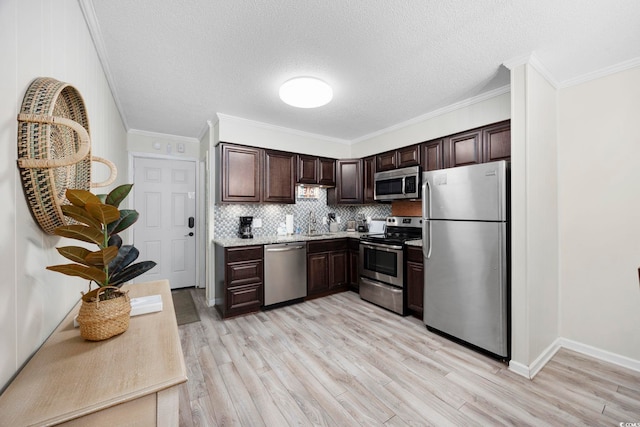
(306,92)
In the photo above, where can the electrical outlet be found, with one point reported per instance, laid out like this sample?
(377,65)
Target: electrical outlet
(257,222)
(324,220)
(338,219)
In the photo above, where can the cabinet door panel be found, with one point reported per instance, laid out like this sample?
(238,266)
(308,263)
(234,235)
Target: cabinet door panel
(307,169)
(240,174)
(432,155)
(386,161)
(496,141)
(408,156)
(337,268)
(317,273)
(368,175)
(326,172)
(464,149)
(415,287)
(279,177)
(348,189)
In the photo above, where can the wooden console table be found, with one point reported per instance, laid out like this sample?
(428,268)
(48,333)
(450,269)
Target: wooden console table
(130,379)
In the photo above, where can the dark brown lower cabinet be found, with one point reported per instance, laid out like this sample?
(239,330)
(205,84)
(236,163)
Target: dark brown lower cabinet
(415,281)
(239,280)
(354,264)
(327,267)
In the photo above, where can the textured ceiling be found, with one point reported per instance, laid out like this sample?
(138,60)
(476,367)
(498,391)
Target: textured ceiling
(174,64)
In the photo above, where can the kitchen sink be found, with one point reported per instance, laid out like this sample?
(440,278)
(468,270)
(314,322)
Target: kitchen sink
(318,234)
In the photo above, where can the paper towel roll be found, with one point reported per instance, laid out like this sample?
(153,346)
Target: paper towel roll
(289,222)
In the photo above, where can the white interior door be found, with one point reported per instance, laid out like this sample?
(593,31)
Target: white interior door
(165,196)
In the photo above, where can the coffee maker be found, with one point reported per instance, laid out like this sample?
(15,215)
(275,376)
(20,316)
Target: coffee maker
(245,231)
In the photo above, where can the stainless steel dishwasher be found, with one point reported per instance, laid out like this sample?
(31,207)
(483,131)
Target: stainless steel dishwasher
(285,272)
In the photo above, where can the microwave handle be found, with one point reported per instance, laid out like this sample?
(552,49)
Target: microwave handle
(403,187)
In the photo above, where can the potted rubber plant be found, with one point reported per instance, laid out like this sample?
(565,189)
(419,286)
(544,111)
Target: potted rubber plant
(104,311)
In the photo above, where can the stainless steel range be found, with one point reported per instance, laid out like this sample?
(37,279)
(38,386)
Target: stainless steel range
(382,263)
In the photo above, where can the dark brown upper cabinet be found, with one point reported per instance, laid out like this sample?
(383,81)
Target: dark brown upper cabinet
(279,177)
(326,172)
(368,175)
(348,189)
(240,169)
(386,161)
(433,155)
(408,156)
(496,141)
(314,170)
(400,158)
(464,148)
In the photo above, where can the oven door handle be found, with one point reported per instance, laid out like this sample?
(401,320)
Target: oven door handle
(381,246)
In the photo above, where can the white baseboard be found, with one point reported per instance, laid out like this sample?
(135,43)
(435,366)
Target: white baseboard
(535,367)
(597,353)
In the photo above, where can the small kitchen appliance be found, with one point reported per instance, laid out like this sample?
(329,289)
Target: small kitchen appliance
(403,183)
(246,227)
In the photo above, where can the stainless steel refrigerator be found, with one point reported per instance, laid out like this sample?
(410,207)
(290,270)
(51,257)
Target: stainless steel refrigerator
(466,261)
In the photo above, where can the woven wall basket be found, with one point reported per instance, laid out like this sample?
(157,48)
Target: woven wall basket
(54,149)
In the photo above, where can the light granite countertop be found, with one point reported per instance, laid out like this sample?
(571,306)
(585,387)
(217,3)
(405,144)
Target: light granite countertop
(267,240)
(417,243)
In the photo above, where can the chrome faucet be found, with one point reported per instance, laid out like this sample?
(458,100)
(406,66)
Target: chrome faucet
(312,223)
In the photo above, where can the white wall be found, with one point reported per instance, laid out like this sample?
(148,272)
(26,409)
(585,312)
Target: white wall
(456,118)
(42,38)
(599,213)
(534,221)
(163,144)
(248,132)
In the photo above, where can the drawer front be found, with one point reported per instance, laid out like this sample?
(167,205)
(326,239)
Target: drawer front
(326,245)
(244,253)
(414,254)
(244,298)
(241,273)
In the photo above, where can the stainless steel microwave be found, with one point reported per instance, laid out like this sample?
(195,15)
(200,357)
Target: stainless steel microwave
(397,184)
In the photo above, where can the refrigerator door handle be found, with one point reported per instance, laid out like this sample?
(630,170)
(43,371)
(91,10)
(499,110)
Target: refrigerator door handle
(426,221)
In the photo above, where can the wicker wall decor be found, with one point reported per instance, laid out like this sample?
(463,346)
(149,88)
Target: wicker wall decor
(54,149)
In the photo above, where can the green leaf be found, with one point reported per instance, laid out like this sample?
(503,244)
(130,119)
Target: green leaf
(115,240)
(126,255)
(80,215)
(81,197)
(118,194)
(130,272)
(104,213)
(89,273)
(81,232)
(102,257)
(127,218)
(74,253)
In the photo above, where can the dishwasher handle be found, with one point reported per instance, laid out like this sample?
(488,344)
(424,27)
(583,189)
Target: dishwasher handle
(285,249)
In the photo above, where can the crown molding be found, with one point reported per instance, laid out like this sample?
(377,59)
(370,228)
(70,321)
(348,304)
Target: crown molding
(603,72)
(532,60)
(267,126)
(439,112)
(164,136)
(90,18)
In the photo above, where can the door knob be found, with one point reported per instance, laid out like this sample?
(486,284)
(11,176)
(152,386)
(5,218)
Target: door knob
(189,235)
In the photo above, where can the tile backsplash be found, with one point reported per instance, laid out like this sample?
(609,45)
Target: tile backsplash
(226,216)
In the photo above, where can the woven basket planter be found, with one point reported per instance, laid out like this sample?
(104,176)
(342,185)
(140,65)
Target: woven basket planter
(54,149)
(101,320)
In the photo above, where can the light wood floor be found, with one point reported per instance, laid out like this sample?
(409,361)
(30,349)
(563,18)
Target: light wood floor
(340,361)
